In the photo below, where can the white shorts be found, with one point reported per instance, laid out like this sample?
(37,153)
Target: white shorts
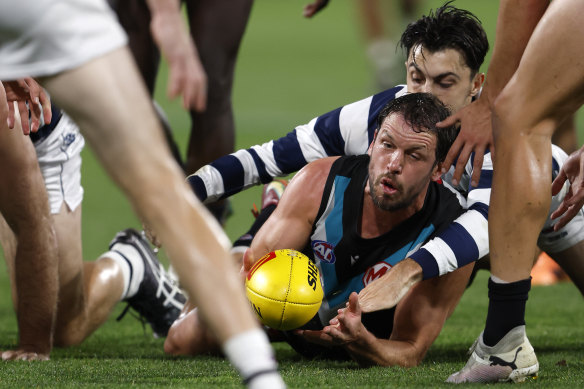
(46,37)
(59,156)
(552,241)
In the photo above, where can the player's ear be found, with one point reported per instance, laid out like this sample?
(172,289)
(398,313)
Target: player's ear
(477,83)
(372,142)
(437,171)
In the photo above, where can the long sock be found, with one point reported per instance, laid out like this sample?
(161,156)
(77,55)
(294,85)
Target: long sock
(506,308)
(131,265)
(251,354)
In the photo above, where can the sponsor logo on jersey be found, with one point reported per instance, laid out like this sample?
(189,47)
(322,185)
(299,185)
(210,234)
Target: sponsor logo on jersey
(312,277)
(375,272)
(323,251)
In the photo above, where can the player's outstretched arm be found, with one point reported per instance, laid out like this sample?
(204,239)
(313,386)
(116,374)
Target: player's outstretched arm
(186,74)
(418,320)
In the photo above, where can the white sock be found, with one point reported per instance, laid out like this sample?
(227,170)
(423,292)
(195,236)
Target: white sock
(497,280)
(132,267)
(251,354)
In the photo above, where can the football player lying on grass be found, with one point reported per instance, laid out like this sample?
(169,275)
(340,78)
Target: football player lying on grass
(356,217)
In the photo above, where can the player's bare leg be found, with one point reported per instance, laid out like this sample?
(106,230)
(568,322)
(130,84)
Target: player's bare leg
(32,262)
(88,290)
(129,143)
(217,28)
(539,96)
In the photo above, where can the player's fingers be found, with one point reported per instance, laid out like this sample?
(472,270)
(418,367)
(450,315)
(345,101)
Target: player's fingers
(566,217)
(34,89)
(201,98)
(35,116)
(562,208)
(10,120)
(452,154)
(558,183)
(312,9)
(477,166)
(45,102)
(354,303)
(23,111)
(173,88)
(248,259)
(449,121)
(8,355)
(460,164)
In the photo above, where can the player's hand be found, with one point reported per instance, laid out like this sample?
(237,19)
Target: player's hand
(386,291)
(28,96)
(572,171)
(186,74)
(476,135)
(22,355)
(248,262)
(346,328)
(313,8)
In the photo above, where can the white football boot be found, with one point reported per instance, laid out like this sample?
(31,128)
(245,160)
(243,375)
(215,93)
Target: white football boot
(512,359)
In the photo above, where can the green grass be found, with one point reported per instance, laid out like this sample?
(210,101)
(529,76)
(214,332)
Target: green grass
(289,70)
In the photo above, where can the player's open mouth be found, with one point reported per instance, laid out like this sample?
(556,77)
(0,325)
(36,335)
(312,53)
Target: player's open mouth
(388,186)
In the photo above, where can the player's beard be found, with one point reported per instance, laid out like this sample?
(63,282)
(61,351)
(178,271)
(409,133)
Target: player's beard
(399,200)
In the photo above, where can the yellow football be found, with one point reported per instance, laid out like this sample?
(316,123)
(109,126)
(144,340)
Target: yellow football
(284,289)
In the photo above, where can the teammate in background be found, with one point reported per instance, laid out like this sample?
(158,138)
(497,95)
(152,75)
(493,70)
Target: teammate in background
(535,82)
(381,26)
(389,204)
(216,28)
(90,72)
(386,61)
(24,206)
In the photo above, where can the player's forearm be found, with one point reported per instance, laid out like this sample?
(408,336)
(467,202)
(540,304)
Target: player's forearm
(386,291)
(516,21)
(373,351)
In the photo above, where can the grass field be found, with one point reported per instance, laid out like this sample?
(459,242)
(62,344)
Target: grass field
(289,70)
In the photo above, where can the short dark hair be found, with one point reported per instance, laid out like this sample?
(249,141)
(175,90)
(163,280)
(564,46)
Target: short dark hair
(422,111)
(449,27)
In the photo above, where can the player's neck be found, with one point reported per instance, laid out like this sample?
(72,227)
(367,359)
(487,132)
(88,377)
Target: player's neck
(376,222)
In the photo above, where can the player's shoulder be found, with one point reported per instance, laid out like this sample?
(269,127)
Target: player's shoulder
(316,172)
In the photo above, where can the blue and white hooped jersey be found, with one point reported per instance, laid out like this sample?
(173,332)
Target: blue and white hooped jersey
(347,261)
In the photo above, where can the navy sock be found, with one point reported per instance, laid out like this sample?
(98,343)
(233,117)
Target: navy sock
(506,309)
(245,239)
